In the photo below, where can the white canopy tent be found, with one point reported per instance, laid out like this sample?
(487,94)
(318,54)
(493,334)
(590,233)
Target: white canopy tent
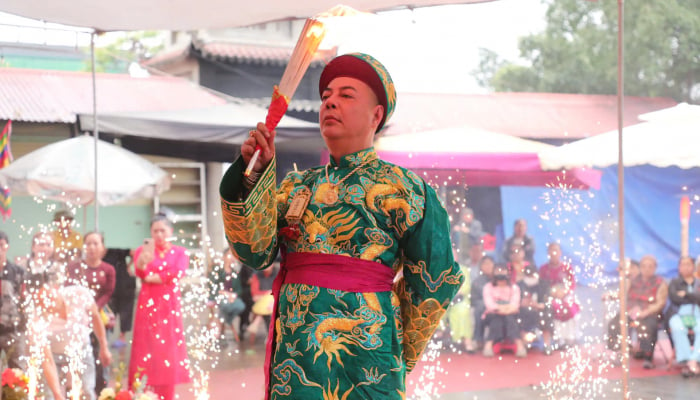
(682,113)
(126,15)
(463,139)
(666,140)
(479,158)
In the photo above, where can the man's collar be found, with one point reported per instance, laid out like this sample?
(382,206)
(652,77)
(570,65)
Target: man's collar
(352,160)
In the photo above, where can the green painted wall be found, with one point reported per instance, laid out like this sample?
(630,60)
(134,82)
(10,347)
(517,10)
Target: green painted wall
(38,62)
(124,226)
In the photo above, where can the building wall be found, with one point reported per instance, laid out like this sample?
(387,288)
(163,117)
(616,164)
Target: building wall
(240,80)
(254,80)
(124,226)
(25,55)
(187,68)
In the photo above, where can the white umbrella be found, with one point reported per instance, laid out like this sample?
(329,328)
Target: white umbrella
(65,171)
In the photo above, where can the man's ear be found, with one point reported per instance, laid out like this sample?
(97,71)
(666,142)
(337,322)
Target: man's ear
(378,114)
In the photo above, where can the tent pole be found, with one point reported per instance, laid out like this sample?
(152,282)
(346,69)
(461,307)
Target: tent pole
(621,199)
(95,130)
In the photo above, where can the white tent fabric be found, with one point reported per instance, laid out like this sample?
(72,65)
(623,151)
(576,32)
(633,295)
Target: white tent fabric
(227,123)
(661,144)
(473,156)
(65,171)
(682,113)
(463,140)
(125,15)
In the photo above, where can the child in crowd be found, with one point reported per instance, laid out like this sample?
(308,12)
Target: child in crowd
(502,300)
(561,278)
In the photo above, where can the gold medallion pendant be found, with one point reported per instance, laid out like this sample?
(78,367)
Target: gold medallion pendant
(326,193)
(331,195)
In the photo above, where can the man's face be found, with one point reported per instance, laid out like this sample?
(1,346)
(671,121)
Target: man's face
(349,111)
(520,228)
(4,246)
(647,267)
(476,251)
(686,267)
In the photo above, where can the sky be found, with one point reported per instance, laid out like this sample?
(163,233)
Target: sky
(435,49)
(432,49)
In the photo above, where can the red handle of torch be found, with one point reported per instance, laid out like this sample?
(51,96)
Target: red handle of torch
(278,106)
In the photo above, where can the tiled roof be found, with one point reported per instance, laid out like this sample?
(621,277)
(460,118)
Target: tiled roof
(255,53)
(57,96)
(168,56)
(529,115)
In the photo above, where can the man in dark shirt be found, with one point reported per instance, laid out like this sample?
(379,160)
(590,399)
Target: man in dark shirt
(122,301)
(465,233)
(476,297)
(521,238)
(12,321)
(535,312)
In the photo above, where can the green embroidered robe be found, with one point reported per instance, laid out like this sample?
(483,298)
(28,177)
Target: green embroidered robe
(332,344)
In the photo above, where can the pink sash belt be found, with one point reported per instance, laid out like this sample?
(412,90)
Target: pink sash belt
(329,271)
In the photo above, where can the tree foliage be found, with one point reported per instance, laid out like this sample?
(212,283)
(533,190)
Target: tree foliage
(128,47)
(577,52)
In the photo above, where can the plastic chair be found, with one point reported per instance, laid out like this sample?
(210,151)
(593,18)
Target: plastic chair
(505,346)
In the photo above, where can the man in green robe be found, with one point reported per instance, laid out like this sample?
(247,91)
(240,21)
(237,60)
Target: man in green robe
(367,266)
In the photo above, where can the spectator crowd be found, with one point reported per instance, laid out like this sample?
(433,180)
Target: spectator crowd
(61,301)
(510,304)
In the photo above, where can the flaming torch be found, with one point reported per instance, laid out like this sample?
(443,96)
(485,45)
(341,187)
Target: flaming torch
(311,36)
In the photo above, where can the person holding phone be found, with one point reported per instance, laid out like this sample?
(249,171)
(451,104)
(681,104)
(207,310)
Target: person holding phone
(158,351)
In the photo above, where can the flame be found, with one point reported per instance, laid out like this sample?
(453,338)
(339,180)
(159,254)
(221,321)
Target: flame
(317,30)
(341,11)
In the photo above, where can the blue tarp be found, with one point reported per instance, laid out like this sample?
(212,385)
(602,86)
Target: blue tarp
(585,222)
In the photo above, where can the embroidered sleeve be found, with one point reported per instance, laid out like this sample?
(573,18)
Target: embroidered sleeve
(250,220)
(431,277)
